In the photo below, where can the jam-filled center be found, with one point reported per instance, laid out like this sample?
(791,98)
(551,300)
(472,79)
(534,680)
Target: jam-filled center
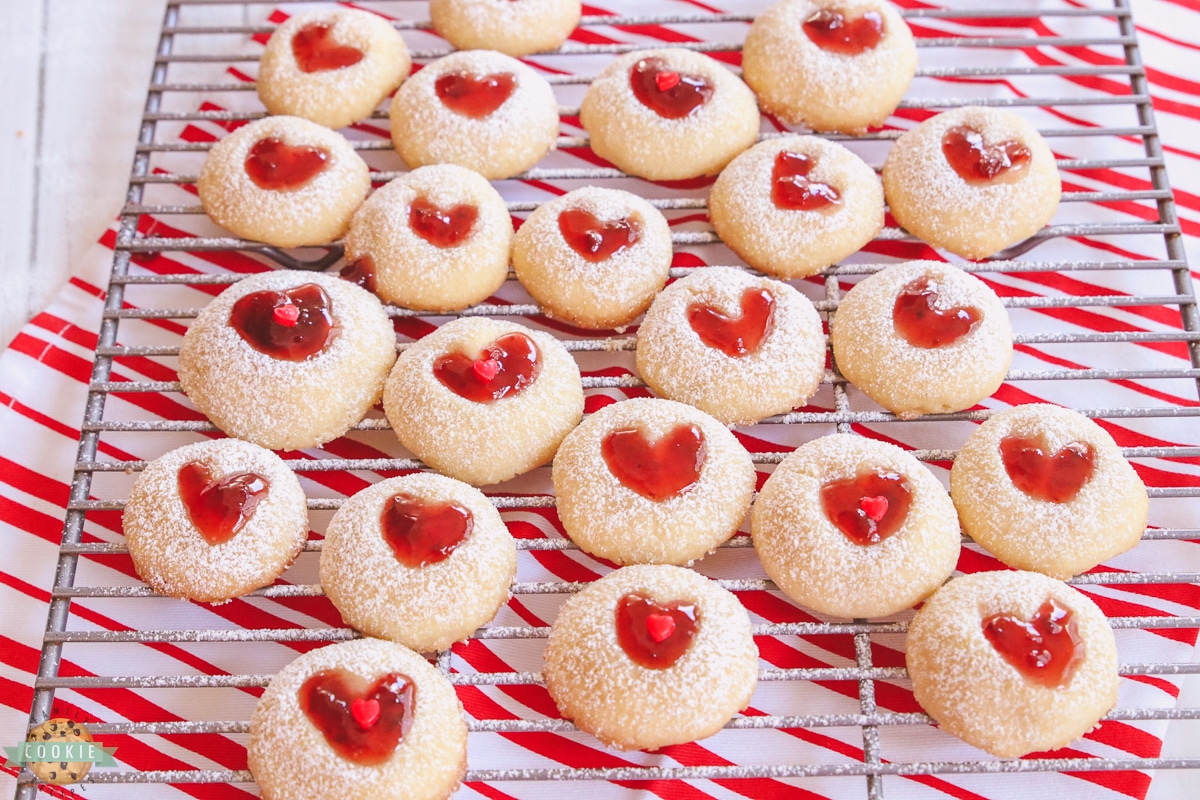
(830,29)
(316,51)
(363,722)
(292,325)
(652,635)
(791,190)
(274,165)
(867,508)
(441,227)
(921,323)
(596,240)
(505,368)
(668,93)
(656,470)
(979,163)
(475,96)
(219,508)
(421,532)
(360,272)
(1046,649)
(1052,477)
(735,336)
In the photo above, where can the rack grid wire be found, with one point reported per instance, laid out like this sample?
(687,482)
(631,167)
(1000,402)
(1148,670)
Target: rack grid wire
(155,238)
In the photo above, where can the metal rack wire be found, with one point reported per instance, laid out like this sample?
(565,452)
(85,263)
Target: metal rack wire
(842,412)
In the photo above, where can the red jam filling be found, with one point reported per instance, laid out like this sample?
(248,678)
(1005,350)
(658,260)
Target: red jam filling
(219,509)
(791,190)
(659,471)
(315,51)
(867,508)
(1045,650)
(1054,478)
(363,722)
(922,325)
(441,227)
(735,336)
(279,167)
(361,272)
(829,29)
(421,533)
(594,240)
(977,163)
(265,321)
(475,96)
(504,369)
(670,94)
(651,635)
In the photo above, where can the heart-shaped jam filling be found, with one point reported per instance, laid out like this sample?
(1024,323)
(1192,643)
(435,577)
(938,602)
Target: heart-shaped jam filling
(735,336)
(423,533)
(219,509)
(829,29)
(1045,650)
(316,51)
(292,325)
(594,240)
(652,635)
(277,166)
(659,471)
(978,163)
(363,722)
(670,94)
(867,508)
(361,272)
(475,96)
(504,369)
(441,227)
(791,190)
(917,319)
(1054,478)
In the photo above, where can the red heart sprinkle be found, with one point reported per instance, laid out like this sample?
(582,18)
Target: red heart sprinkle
(874,507)
(365,712)
(660,626)
(666,81)
(286,315)
(485,369)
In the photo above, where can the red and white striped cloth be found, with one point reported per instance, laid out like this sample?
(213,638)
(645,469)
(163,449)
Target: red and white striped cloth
(44,373)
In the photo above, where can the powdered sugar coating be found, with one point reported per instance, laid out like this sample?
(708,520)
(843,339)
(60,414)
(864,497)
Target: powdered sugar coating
(639,141)
(603,294)
(291,759)
(315,213)
(932,201)
(334,97)
(780,375)
(1106,518)
(974,693)
(514,27)
(909,380)
(801,83)
(792,243)
(628,706)
(509,140)
(280,404)
(414,273)
(612,521)
(175,559)
(814,562)
(482,443)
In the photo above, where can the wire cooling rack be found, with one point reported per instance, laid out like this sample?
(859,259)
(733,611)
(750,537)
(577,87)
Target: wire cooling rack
(834,691)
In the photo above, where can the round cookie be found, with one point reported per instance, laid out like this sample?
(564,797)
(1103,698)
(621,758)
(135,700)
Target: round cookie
(833,65)
(214,520)
(986,697)
(527,396)
(423,560)
(650,481)
(434,239)
(669,114)
(305,362)
(1043,488)
(403,727)
(513,28)
(331,66)
(736,346)
(594,257)
(1007,190)
(476,108)
(951,347)
(703,664)
(853,527)
(284,181)
(795,205)
(59,773)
